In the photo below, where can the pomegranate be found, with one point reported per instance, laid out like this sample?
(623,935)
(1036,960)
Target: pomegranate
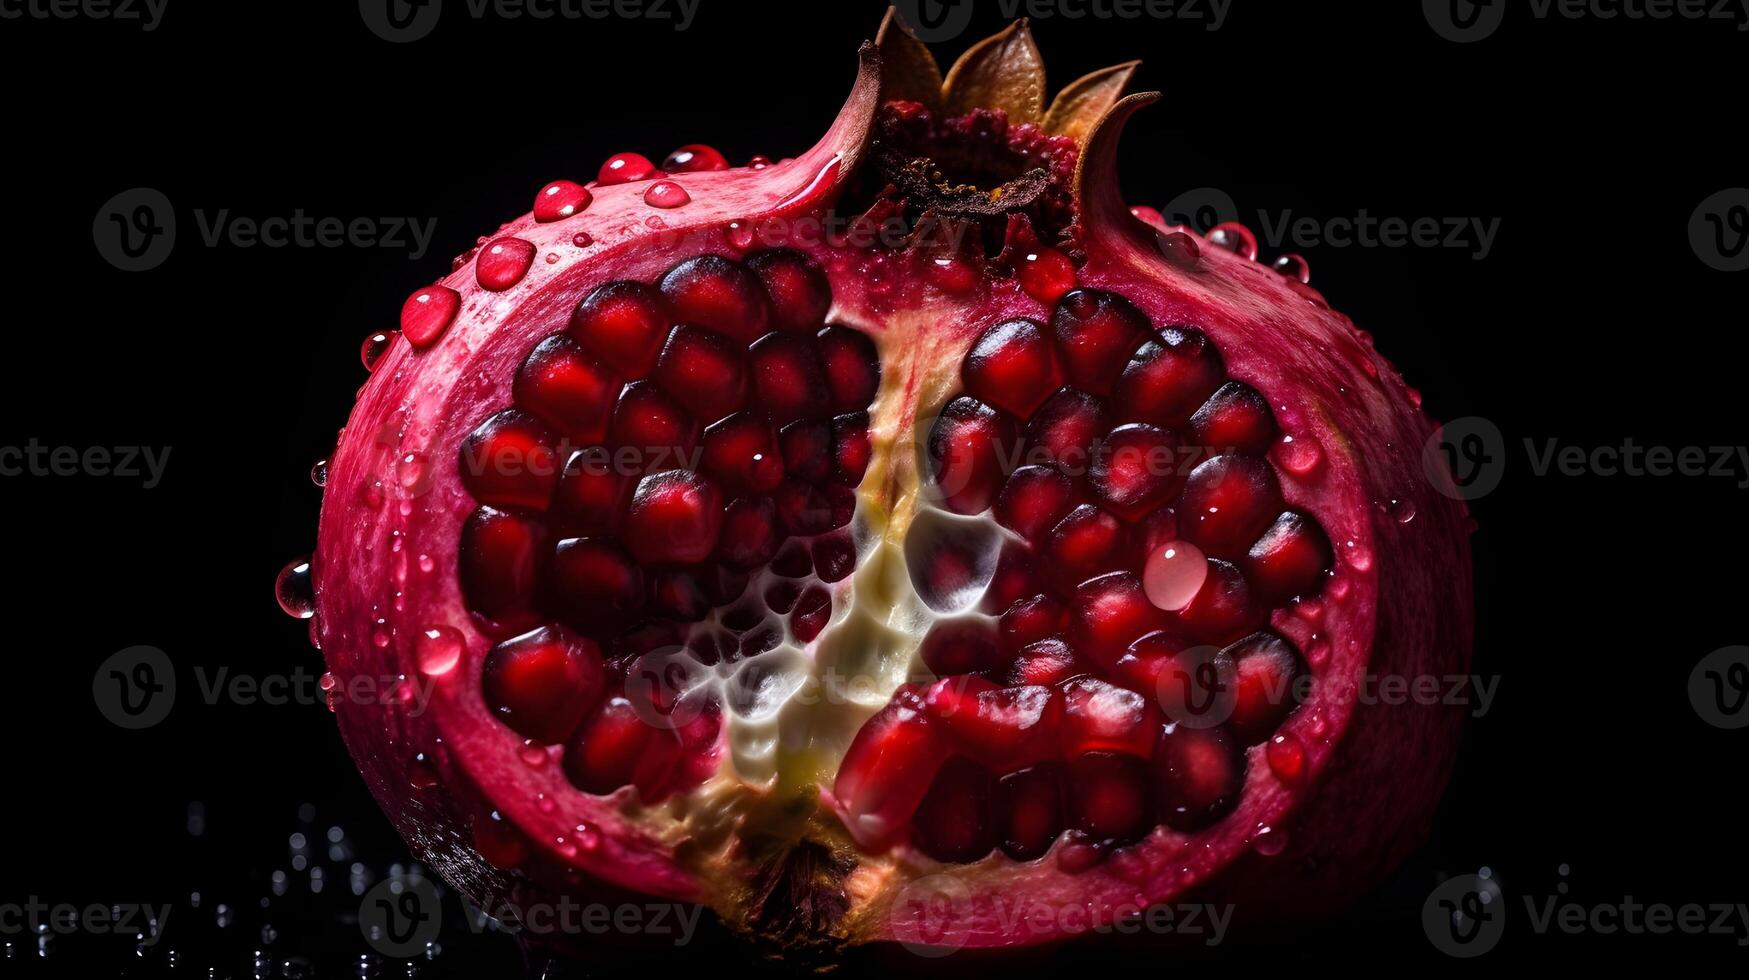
(753,554)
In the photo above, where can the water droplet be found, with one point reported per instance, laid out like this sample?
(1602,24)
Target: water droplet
(666,194)
(1235,238)
(552,258)
(381,639)
(421,774)
(759,162)
(411,471)
(503,263)
(533,754)
(373,495)
(319,473)
(560,199)
(582,239)
(427,564)
(1300,455)
(1174,574)
(1402,510)
(1294,267)
(1180,250)
(438,649)
(1338,589)
(1359,556)
(375,346)
(295,589)
(1268,841)
(587,837)
(741,234)
(1287,758)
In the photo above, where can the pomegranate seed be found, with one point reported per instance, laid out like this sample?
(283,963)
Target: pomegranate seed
(808,510)
(1029,810)
(1110,613)
(694,157)
(1225,609)
(675,517)
(624,324)
(794,560)
(1102,717)
(797,289)
(560,199)
(1001,727)
(1027,622)
(780,597)
(741,453)
(1046,275)
(427,314)
(853,368)
(678,595)
(1291,559)
(617,748)
(888,769)
(968,447)
(502,263)
(1198,773)
(1012,366)
(810,614)
(704,371)
(1109,796)
(595,584)
(750,535)
(788,382)
(1137,472)
(652,427)
(542,683)
(1168,378)
(592,495)
(1066,429)
(1235,419)
(559,384)
(666,194)
(623,168)
(834,557)
(1228,501)
(960,646)
(1087,543)
(718,293)
(808,452)
(1190,683)
(1014,579)
(1046,662)
(851,448)
(1266,691)
(499,563)
(953,821)
(1096,334)
(1034,499)
(509,461)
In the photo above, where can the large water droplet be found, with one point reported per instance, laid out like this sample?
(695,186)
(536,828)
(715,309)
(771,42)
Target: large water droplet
(319,473)
(1294,267)
(1287,758)
(1235,238)
(375,346)
(438,649)
(666,194)
(1180,250)
(1300,455)
(295,589)
(1174,574)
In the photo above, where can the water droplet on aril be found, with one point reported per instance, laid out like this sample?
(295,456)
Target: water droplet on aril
(438,649)
(295,589)
(1174,574)
(375,346)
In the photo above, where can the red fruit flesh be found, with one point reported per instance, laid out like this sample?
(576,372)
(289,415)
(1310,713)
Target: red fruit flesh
(762,544)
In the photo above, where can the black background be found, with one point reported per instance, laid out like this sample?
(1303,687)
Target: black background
(1592,320)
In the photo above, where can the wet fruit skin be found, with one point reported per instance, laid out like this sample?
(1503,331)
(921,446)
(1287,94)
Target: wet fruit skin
(1405,613)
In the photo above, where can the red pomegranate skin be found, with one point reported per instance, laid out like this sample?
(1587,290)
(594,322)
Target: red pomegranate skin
(1398,603)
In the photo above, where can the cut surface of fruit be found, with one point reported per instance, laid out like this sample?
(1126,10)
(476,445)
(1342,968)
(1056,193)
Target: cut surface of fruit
(781,563)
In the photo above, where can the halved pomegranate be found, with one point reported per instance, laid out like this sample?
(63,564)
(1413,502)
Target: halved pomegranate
(1040,544)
